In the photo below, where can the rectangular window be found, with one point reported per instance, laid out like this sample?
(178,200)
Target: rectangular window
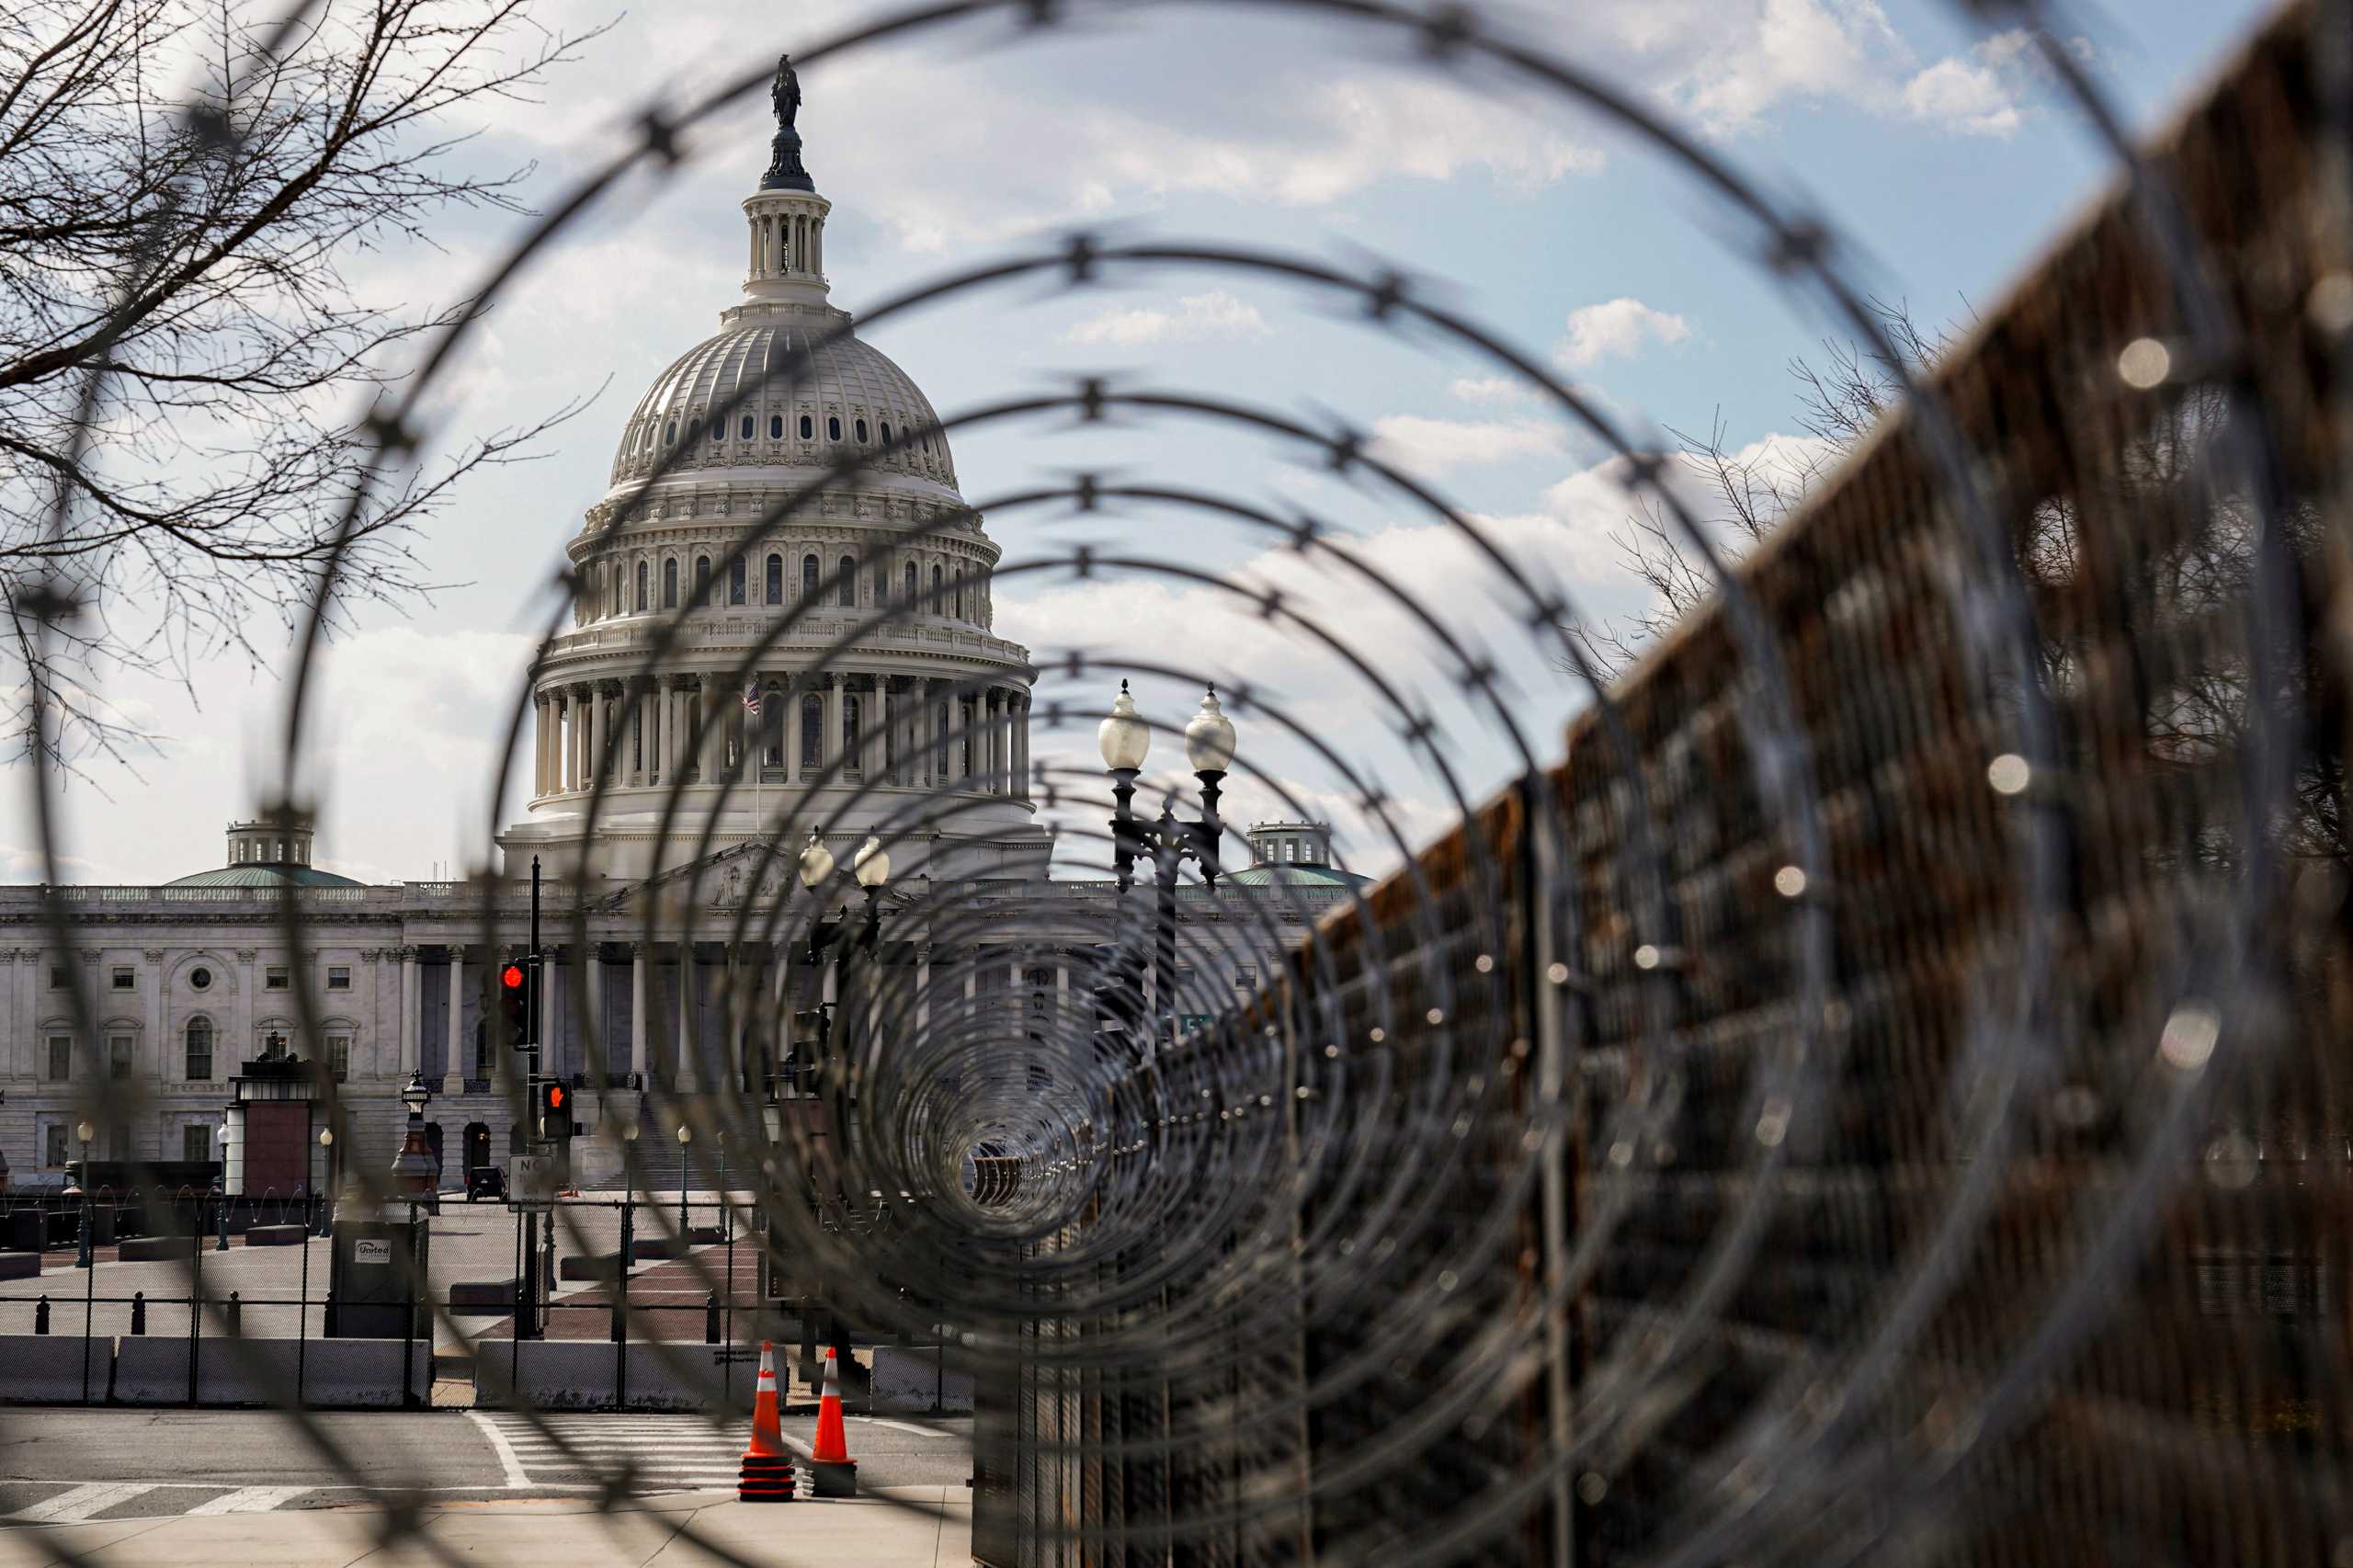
(126,978)
(196,1141)
(199,1051)
(57,977)
(340,977)
(53,1146)
(339,1056)
(273,978)
(61,1058)
(1245,975)
(118,1055)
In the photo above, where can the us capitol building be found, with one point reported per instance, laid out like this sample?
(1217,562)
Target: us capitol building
(195,989)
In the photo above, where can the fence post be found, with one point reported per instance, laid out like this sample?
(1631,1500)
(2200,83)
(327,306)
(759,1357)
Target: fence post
(235,1316)
(621,1304)
(710,1319)
(40,1316)
(139,1311)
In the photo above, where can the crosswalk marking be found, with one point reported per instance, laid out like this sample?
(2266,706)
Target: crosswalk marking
(661,1452)
(78,1503)
(249,1500)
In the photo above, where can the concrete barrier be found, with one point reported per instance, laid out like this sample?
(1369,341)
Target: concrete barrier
(276,1235)
(349,1374)
(19,1266)
(475,1297)
(157,1249)
(579,1374)
(909,1378)
(47,1369)
(582,1266)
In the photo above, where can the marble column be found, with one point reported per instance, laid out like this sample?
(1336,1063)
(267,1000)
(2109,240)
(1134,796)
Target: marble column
(686,1077)
(411,1026)
(538,746)
(678,732)
(640,1021)
(599,738)
(590,1031)
(790,698)
(829,732)
(714,734)
(454,1060)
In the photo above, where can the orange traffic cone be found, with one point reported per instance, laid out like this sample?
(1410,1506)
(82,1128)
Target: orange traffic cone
(766,1475)
(830,1465)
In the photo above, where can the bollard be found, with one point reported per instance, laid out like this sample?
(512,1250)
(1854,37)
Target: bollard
(139,1311)
(710,1319)
(326,1317)
(233,1315)
(221,1226)
(40,1316)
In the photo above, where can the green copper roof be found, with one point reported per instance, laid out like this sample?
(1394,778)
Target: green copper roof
(1296,875)
(264,876)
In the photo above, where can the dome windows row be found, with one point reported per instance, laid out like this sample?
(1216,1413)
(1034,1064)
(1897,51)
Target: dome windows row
(927,451)
(646,587)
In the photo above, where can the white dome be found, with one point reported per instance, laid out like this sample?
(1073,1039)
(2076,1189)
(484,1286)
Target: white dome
(850,397)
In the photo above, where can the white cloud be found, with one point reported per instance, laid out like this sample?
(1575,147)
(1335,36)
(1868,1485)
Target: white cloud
(1976,95)
(1195,318)
(1433,447)
(1489,389)
(1617,329)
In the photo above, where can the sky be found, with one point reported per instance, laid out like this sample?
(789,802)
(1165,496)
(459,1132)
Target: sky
(1939,152)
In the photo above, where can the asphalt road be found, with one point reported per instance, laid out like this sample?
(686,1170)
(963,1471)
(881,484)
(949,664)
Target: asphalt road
(66,1466)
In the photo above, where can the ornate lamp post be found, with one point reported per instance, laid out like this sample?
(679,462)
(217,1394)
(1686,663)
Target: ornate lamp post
(326,1187)
(1125,739)
(685,1136)
(85,1132)
(414,1171)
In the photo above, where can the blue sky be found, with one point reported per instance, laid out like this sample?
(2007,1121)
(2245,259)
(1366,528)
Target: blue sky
(1938,152)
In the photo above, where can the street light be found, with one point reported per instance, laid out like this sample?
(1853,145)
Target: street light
(84,1132)
(1125,739)
(326,1214)
(413,1172)
(685,1136)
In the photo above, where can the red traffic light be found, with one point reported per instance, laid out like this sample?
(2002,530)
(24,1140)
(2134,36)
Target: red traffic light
(511,977)
(555,1097)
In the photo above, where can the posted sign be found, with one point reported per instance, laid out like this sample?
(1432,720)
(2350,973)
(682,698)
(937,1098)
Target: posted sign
(366,1250)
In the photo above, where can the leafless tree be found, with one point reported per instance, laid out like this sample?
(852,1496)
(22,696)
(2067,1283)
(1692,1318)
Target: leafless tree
(184,186)
(1742,493)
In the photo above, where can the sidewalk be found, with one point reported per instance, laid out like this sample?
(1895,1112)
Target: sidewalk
(913,1526)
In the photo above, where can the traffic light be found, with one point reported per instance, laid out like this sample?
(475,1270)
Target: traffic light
(555,1111)
(515,1010)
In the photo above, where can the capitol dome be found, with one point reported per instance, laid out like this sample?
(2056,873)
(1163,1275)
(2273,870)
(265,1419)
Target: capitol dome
(816,393)
(781,611)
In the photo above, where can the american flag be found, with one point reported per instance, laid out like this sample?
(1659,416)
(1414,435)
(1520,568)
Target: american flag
(752,695)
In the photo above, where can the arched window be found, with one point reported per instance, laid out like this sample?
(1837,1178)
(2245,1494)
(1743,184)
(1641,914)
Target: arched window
(833,427)
(813,730)
(849,726)
(735,581)
(914,585)
(808,427)
(847,593)
(959,601)
(199,1051)
(670,583)
(776,427)
(809,579)
(670,433)
(881,584)
(861,430)
(772,724)
(702,579)
(718,427)
(776,579)
(886,432)
(640,584)
(935,606)
(743,431)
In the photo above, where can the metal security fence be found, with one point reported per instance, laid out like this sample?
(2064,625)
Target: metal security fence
(1866,1092)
